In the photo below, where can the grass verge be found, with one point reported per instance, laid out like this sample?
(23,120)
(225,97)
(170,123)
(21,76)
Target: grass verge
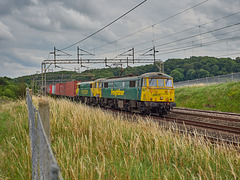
(92,144)
(220,97)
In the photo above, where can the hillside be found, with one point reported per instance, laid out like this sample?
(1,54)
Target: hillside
(179,69)
(218,97)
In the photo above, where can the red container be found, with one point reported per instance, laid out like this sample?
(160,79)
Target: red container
(71,88)
(50,89)
(60,89)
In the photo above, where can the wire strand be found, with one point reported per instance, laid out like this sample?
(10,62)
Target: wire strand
(105,26)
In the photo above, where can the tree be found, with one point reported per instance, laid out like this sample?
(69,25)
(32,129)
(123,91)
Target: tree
(203,73)
(190,74)
(214,70)
(197,65)
(177,76)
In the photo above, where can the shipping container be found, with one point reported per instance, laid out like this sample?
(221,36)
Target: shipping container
(70,88)
(50,89)
(60,89)
(53,89)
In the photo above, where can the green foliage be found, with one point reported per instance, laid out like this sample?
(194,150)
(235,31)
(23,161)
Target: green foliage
(177,75)
(180,69)
(10,89)
(200,67)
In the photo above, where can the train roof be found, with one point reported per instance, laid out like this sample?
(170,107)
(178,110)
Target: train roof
(86,82)
(155,74)
(122,79)
(100,80)
(145,75)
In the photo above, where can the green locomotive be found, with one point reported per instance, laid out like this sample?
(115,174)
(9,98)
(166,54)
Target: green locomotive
(147,93)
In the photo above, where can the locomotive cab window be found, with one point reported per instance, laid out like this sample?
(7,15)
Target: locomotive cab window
(105,85)
(168,82)
(144,84)
(132,83)
(160,83)
(152,82)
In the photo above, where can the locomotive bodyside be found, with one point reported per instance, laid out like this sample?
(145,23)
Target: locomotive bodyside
(148,93)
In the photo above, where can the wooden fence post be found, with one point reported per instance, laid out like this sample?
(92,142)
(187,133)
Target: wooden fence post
(43,109)
(30,92)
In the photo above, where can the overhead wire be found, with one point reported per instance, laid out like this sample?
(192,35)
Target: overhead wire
(235,38)
(104,26)
(203,39)
(170,35)
(170,17)
(189,37)
(185,30)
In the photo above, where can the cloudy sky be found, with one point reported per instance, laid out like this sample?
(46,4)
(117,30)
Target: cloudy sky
(30,29)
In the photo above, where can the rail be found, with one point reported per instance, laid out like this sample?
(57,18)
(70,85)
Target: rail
(44,164)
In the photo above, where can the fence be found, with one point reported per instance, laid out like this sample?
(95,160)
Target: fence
(44,164)
(209,80)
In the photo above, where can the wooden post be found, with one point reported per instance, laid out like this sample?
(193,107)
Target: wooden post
(30,93)
(43,109)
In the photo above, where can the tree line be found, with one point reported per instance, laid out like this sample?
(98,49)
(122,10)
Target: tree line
(200,67)
(11,89)
(180,69)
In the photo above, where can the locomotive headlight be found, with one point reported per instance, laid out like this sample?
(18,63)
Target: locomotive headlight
(161,98)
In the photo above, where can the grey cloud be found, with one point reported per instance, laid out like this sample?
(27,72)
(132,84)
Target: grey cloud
(7,6)
(29,29)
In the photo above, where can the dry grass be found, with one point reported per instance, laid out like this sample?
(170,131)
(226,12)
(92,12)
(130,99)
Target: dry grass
(92,144)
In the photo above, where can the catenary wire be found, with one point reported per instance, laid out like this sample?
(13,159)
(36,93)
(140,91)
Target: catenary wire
(235,38)
(104,26)
(189,37)
(170,35)
(170,17)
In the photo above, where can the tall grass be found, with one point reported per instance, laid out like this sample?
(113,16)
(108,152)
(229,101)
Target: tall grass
(15,158)
(92,144)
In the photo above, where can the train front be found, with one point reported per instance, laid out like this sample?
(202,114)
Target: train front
(158,92)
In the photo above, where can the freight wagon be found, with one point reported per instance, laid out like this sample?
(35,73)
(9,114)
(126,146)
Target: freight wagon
(148,93)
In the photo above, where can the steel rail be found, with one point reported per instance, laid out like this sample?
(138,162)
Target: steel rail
(229,129)
(208,111)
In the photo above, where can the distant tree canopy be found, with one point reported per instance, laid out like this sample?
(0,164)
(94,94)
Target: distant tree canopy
(179,69)
(200,67)
(10,89)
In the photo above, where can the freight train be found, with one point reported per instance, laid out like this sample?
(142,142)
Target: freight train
(146,94)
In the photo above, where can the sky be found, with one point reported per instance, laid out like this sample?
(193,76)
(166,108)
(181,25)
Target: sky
(30,29)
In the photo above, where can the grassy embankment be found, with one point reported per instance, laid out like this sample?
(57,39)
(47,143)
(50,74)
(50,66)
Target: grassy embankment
(219,97)
(92,144)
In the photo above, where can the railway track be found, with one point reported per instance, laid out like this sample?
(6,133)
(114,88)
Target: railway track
(213,125)
(226,116)
(211,120)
